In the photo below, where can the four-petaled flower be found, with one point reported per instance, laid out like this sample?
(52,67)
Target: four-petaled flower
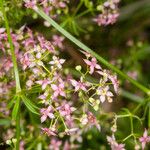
(105,94)
(49,131)
(144,139)
(57,41)
(30,3)
(78,84)
(58,89)
(44,83)
(46,112)
(113,143)
(57,62)
(92,120)
(65,110)
(55,144)
(92,64)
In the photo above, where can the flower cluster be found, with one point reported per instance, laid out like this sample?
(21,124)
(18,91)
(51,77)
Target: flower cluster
(109,13)
(50,7)
(60,93)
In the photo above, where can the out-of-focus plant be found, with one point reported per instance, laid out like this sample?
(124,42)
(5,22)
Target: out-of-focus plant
(45,104)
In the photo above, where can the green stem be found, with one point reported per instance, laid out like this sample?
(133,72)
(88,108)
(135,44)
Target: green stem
(18,129)
(14,60)
(15,67)
(84,47)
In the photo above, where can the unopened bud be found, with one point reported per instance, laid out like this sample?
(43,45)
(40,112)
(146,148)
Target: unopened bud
(78,68)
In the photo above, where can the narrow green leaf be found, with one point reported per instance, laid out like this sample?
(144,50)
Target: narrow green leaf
(30,105)
(10,104)
(16,108)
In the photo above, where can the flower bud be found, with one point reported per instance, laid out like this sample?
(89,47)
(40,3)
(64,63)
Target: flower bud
(14,140)
(78,68)
(8,142)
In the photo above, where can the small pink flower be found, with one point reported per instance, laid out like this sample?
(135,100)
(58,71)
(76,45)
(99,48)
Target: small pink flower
(8,65)
(92,120)
(65,110)
(46,112)
(105,94)
(67,146)
(44,83)
(57,41)
(47,10)
(62,5)
(106,19)
(87,54)
(25,61)
(30,3)
(114,145)
(46,45)
(144,139)
(92,64)
(49,131)
(55,144)
(71,131)
(22,145)
(78,85)
(58,62)
(115,82)
(58,89)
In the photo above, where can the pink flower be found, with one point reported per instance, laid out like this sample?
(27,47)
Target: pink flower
(46,112)
(8,65)
(115,82)
(92,64)
(71,131)
(21,146)
(30,3)
(78,85)
(65,110)
(62,5)
(87,54)
(58,89)
(57,41)
(46,45)
(112,78)
(114,145)
(47,10)
(49,131)
(55,144)
(44,83)
(144,139)
(25,61)
(105,93)
(67,146)
(58,62)
(106,19)
(92,120)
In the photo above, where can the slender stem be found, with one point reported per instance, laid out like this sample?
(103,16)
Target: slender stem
(16,72)
(15,67)
(84,47)
(127,137)
(18,128)
(77,9)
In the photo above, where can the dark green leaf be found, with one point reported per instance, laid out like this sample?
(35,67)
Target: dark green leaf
(30,105)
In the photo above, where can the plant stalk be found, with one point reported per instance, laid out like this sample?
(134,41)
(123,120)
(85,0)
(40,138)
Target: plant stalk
(15,67)
(13,55)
